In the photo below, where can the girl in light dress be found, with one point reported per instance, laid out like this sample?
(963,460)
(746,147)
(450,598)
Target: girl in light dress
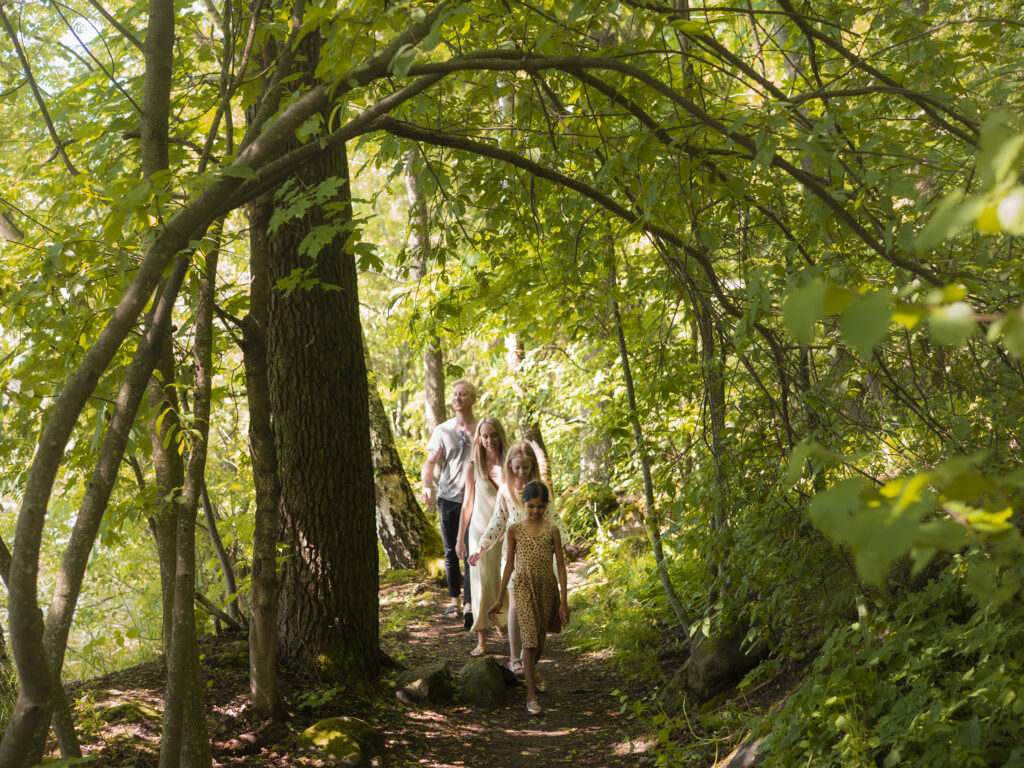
(483,478)
(542,603)
(521,467)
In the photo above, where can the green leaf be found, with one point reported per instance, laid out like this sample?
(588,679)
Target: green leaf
(1000,149)
(1010,330)
(831,510)
(402,61)
(866,322)
(1010,211)
(952,324)
(239,171)
(803,307)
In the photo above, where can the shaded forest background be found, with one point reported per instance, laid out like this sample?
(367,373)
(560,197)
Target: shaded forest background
(749,272)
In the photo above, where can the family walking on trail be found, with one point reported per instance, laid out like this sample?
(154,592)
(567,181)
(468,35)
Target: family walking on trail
(490,491)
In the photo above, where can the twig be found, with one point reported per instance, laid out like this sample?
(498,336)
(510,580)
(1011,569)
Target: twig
(35,92)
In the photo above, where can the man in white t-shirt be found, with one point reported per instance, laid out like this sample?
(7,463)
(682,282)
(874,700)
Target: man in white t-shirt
(449,448)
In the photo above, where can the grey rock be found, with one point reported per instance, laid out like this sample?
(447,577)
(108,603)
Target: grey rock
(433,684)
(718,662)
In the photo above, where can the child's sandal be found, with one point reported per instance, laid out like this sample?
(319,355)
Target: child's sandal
(533,707)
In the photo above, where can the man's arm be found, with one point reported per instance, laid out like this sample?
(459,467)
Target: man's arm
(427,477)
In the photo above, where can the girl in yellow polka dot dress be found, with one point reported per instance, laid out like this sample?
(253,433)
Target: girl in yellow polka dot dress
(542,602)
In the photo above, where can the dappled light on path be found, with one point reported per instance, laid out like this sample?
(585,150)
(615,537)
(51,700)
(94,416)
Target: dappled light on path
(581,724)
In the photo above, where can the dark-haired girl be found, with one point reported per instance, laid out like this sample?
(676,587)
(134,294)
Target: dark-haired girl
(542,600)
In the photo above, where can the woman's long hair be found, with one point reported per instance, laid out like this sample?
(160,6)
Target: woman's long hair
(480,474)
(519,451)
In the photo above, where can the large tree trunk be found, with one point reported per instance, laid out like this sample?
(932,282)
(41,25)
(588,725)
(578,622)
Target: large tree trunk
(405,533)
(327,617)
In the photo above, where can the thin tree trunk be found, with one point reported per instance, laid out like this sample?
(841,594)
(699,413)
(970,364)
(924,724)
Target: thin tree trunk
(8,229)
(714,393)
(94,502)
(187,745)
(226,567)
(263,688)
(653,513)
(434,404)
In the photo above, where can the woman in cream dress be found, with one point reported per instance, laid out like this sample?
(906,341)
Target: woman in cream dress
(483,477)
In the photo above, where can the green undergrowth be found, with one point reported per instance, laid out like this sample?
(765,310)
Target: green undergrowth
(935,680)
(8,691)
(621,608)
(404,607)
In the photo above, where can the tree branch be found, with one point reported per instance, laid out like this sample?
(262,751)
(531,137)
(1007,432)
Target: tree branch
(502,60)
(27,69)
(921,101)
(127,33)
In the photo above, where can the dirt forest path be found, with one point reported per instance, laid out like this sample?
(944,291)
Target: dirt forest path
(120,722)
(581,724)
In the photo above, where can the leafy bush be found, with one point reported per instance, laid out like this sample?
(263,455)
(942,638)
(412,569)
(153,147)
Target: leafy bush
(589,508)
(934,681)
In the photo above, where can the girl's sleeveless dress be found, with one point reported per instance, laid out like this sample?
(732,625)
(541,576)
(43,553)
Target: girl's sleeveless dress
(535,586)
(485,576)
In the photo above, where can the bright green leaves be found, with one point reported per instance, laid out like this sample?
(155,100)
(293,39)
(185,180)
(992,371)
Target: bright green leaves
(944,509)
(876,533)
(864,318)
(803,308)
(865,321)
(999,207)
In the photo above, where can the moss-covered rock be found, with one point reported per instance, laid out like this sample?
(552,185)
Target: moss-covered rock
(130,711)
(719,662)
(345,741)
(481,682)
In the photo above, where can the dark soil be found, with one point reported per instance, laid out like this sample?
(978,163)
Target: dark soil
(581,724)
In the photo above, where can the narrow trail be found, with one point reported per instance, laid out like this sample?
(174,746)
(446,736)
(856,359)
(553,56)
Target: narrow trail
(119,715)
(581,724)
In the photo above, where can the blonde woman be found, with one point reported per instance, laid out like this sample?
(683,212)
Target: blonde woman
(483,478)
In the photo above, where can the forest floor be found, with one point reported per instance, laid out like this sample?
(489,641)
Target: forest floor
(582,724)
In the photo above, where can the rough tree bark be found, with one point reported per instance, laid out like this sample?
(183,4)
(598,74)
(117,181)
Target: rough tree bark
(184,741)
(327,620)
(434,404)
(405,533)
(263,688)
